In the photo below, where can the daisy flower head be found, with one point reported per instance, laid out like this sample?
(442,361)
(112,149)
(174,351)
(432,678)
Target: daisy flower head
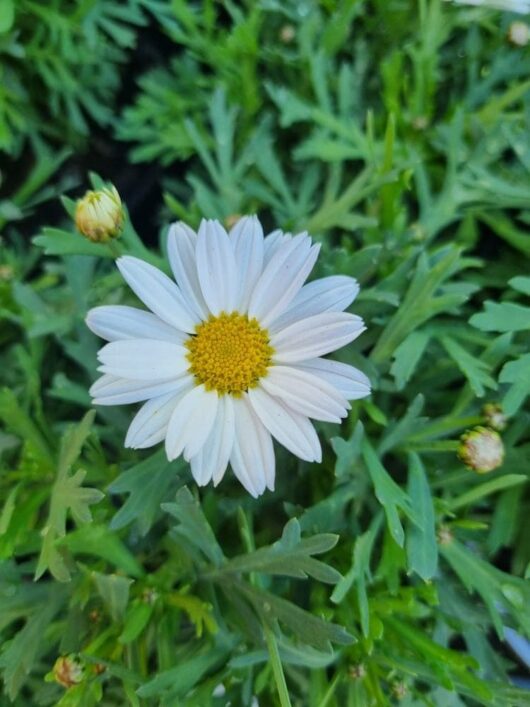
(230,354)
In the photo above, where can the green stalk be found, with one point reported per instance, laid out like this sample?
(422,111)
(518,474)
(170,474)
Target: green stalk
(277,667)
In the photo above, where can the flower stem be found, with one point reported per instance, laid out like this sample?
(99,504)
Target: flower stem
(277,667)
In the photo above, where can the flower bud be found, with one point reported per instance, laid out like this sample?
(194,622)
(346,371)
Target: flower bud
(99,215)
(481,449)
(68,670)
(519,33)
(494,416)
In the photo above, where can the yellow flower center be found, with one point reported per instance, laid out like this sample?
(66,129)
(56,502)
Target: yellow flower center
(229,353)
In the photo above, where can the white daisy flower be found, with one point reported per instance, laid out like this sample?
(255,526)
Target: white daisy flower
(231,355)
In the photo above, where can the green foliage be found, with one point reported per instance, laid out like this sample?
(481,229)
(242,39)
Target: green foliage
(396,133)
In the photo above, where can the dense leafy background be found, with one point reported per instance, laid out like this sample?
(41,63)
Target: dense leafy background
(396,132)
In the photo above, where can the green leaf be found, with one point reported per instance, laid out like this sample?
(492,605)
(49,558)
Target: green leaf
(347,451)
(19,654)
(7,15)
(136,620)
(521,284)
(147,484)
(389,494)
(97,541)
(194,527)
(399,432)
(518,373)
(178,681)
(55,241)
(16,420)
(291,556)
(485,489)
(422,548)
(407,356)
(308,628)
(503,316)
(360,574)
(114,590)
(475,370)
(499,591)
(67,495)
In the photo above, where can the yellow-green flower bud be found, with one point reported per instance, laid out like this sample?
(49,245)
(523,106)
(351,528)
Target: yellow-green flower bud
(519,33)
(481,449)
(99,215)
(494,416)
(68,670)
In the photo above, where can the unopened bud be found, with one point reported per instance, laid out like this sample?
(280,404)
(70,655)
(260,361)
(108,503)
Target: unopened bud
(444,535)
(494,416)
(357,671)
(481,449)
(68,670)
(287,34)
(519,33)
(99,215)
(399,690)
(6,272)
(231,220)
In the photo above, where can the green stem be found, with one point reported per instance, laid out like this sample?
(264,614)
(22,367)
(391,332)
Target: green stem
(277,667)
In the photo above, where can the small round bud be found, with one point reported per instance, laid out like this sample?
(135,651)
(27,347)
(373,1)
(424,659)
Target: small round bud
(399,690)
(444,535)
(230,221)
(99,215)
(481,449)
(6,273)
(420,123)
(519,33)
(357,671)
(494,416)
(287,34)
(68,670)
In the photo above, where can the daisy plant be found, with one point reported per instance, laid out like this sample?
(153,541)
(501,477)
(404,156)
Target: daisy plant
(230,355)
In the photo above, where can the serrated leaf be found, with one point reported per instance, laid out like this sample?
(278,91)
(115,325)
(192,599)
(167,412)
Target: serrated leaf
(308,628)
(147,484)
(291,556)
(503,316)
(68,494)
(194,527)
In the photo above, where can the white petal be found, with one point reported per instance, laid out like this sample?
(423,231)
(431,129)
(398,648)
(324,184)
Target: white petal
(247,241)
(191,423)
(181,244)
(158,292)
(211,461)
(290,428)
(282,279)
(329,294)
(305,393)
(252,458)
(351,382)
(115,322)
(143,359)
(271,244)
(110,390)
(149,425)
(216,267)
(315,336)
